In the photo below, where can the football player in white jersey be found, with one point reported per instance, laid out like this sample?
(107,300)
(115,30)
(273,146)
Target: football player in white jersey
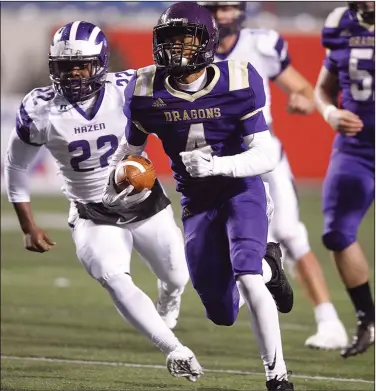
(267,52)
(80,120)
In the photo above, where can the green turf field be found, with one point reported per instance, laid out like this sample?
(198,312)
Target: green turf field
(52,309)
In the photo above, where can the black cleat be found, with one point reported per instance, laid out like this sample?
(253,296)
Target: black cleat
(279,285)
(362,340)
(279,385)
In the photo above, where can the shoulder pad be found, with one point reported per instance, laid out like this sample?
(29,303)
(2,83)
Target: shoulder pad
(37,101)
(336,28)
(145,81)
(267,41)
(237,75)
(121,79)
(334,18)
(32,115)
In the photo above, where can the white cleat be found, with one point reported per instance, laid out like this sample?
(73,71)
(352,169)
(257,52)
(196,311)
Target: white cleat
(168,306)
(183,363)
(330,335)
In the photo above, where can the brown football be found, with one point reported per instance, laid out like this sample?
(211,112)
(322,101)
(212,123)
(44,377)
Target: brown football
(136,171)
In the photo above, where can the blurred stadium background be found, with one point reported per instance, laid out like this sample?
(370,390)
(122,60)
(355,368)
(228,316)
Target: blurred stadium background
(51,308)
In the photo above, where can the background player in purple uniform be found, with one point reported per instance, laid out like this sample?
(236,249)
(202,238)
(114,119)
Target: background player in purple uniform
(349,186)
(210,121)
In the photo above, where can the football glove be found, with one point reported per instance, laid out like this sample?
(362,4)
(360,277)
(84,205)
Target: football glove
(197,163)
(118,202)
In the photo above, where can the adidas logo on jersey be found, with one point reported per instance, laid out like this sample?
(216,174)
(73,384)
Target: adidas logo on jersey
(159,103)
(345,33)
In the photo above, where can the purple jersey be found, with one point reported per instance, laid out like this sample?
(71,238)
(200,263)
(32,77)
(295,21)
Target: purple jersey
(214,119)
(350,45)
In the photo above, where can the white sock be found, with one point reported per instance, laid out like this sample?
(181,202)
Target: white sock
(266,275)
(325,312)
(265,324)
(138,309)
(266,271)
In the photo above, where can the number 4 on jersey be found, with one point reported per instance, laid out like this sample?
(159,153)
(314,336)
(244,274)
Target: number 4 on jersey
(196,139)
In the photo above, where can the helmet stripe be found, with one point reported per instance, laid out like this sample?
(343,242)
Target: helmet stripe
(65,33)
(94,34)
(73,32)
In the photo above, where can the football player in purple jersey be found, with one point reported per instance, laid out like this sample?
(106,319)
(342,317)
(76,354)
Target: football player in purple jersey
(209,118)
(268,52)
(349,186)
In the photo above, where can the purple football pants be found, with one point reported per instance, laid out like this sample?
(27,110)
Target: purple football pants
(223,243)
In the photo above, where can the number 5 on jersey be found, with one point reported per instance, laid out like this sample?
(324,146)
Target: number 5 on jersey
(362,80)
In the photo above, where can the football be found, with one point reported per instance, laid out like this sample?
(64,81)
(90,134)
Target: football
(136,171)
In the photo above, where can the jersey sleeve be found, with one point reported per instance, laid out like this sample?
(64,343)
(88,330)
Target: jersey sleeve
(121,79)
(331,37)
(135,134)
(273,48)
(252,119)
(31,116)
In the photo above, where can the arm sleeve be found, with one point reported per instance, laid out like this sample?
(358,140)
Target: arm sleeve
(261,157)
(252,118)
(334,36)
(135,137)
(19,156)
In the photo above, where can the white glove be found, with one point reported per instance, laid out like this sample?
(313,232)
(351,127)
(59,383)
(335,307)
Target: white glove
(197,163)
(122,201)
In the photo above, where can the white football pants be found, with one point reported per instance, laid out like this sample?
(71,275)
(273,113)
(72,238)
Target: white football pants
(286,227)
(105,250)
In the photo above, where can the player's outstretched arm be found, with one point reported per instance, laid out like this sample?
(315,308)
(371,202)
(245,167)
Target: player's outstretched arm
(261,157)
(18,158)
(326,95)
(298,89)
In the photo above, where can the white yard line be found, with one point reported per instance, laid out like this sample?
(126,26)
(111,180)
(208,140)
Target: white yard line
(58,221)
(150,366)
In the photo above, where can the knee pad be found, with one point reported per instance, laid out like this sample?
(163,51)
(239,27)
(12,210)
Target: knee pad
(295,242)
(336,240)
(117,279)
(177,279)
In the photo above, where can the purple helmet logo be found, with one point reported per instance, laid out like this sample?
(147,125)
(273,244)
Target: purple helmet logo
(185,39)
(78,44)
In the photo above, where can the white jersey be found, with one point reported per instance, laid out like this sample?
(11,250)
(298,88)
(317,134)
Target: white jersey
(266,51)
(81,137)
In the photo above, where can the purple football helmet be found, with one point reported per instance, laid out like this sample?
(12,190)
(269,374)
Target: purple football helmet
(181,20)
(366,9)
(75,45)
(235,25)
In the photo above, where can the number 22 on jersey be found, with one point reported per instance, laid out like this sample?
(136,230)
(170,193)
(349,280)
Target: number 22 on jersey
(109,140)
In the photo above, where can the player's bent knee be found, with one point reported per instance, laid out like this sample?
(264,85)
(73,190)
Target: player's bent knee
(296,241)
(115,278)
(178,280)
(336,240)
(218,314)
